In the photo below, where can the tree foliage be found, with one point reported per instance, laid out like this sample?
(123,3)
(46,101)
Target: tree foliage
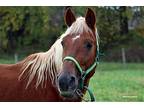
(38,27)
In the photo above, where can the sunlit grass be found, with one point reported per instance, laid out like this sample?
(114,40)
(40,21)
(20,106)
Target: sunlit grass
(116,82)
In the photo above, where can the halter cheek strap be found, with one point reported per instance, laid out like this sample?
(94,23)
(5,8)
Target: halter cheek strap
(85,73)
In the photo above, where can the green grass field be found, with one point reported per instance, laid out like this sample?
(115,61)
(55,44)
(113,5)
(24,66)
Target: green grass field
(114,81)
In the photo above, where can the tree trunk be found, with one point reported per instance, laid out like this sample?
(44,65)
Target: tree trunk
(123,20)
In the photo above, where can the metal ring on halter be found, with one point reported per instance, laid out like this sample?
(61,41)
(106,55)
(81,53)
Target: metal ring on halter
(80,94)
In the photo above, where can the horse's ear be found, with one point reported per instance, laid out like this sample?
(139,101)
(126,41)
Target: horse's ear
(69,17)
(90,18)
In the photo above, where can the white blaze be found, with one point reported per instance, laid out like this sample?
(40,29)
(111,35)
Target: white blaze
(78,36)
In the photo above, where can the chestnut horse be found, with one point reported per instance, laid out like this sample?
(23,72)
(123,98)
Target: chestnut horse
(60,74)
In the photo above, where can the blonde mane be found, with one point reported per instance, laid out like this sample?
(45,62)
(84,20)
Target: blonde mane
(48,64)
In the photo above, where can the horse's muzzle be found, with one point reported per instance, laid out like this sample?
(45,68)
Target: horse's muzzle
(67,84)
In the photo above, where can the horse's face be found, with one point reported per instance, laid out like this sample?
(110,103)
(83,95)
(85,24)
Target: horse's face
(82,47)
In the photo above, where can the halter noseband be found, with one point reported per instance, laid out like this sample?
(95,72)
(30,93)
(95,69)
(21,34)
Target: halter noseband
(84,73)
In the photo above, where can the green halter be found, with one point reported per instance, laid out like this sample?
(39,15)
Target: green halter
(85,73)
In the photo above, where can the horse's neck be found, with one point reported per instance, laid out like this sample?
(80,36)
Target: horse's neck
(10,71)
(10,66)
(13,89)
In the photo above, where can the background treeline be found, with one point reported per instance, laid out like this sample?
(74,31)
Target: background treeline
(26,30)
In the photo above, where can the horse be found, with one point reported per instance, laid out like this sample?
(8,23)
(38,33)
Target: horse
(60,74)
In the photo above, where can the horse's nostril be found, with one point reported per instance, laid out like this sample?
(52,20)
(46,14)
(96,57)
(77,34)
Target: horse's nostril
(63,83)
(72,80)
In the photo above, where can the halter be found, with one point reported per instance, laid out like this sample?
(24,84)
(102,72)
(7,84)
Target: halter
(85,73)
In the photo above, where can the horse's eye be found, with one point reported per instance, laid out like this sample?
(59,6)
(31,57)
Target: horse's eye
(88,45)
(62,43)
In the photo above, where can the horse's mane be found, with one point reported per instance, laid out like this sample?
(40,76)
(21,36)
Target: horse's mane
(44,64)
(48,64)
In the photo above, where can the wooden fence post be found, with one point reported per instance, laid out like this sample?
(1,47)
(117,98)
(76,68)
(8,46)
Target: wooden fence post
(16,57)
(123,56)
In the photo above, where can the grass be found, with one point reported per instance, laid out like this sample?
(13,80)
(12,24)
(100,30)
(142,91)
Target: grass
(113,81)
(6,59)
(9,59)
